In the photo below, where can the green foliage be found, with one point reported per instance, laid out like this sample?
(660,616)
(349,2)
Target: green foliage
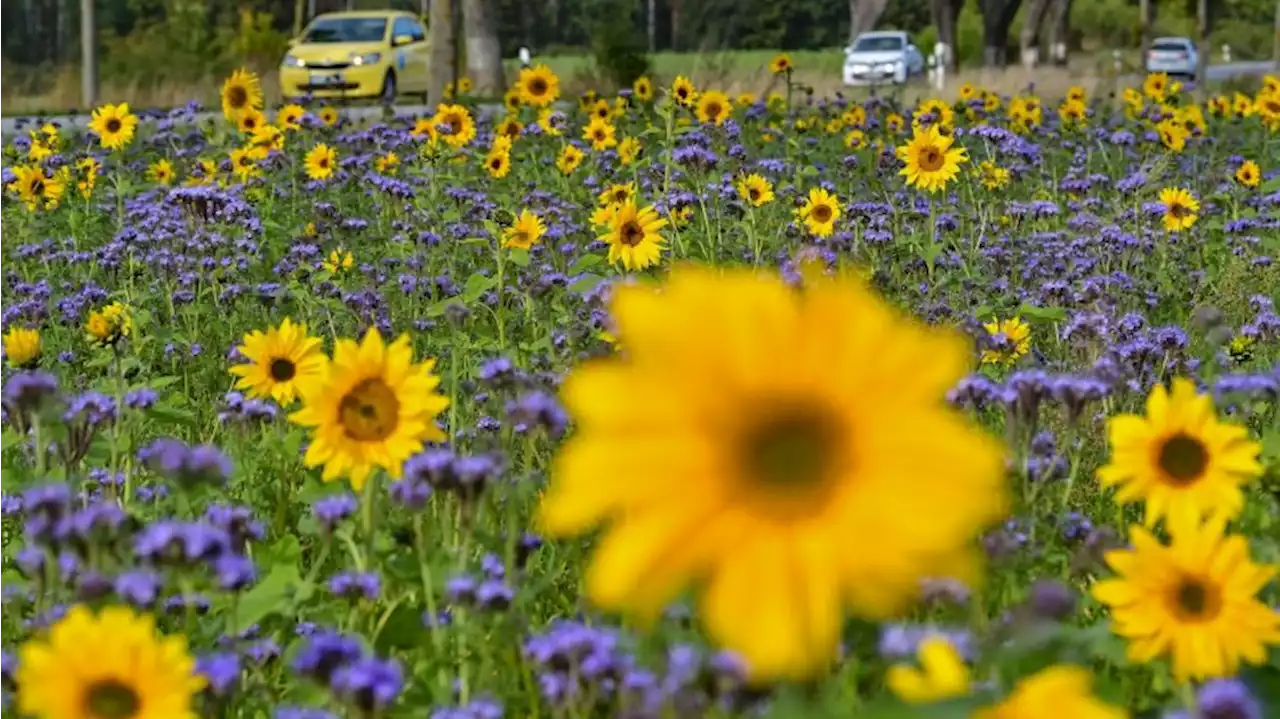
(617,43)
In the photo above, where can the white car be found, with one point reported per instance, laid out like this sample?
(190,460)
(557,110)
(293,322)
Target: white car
(1174,56)
(881,57)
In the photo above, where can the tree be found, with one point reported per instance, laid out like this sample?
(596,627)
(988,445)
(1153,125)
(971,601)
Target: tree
(997,17)
(863,15)
(484,55)
(1029,38)
(1145,17)
(444,55)
(946,13)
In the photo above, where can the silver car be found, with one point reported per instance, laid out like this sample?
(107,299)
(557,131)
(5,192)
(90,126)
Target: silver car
(881,57)
(1174,56)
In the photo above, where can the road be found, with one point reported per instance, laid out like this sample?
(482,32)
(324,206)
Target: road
(11,125)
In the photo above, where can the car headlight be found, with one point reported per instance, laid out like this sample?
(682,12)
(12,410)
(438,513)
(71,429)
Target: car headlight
(368,58)
(291,61)
(860,67)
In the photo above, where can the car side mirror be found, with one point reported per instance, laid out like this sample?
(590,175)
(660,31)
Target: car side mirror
(401,40)
(293,42)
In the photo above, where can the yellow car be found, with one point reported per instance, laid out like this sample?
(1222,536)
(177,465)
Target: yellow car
(378,54)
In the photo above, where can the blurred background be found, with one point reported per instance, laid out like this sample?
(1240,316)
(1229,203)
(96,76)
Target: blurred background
(163,53)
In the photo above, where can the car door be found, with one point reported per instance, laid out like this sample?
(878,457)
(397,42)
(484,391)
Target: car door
(409,45)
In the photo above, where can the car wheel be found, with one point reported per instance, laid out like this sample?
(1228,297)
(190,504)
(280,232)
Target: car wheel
(388,95)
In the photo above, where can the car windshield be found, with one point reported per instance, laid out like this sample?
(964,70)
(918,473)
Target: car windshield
(882,43)
(1168,45)
(347,29)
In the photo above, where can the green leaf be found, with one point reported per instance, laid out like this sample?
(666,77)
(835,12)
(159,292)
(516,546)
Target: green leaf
(518,256)
(403,630)
(584,263)
(477,284)
(270,596)
(585,283)
(1043,314)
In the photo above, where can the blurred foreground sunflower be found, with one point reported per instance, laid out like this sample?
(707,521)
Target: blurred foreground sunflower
(112,665)
(789,452)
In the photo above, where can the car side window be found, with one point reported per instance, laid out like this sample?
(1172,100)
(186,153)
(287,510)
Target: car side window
(398,28)
(415,30)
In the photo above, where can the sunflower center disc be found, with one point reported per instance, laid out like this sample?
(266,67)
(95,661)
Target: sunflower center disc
(37,187)
(111,699)
(713,110)
(113,125)
(1192,599)
(754,194)
(792,450)
(282,370)
(631,233)
(930,159)
(821,213)
(1179,210)
(370,412)
(537,87)
(237,97)
(1183,459)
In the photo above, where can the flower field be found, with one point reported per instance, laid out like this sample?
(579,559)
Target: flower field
(657,405)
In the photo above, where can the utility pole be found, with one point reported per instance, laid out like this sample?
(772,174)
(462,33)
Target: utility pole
(1275,43)
(653,26)
(1203,49)
(88,56)
(1144,25)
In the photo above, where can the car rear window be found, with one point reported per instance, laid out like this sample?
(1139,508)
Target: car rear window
(347,29)
(1170,45)
(878,44)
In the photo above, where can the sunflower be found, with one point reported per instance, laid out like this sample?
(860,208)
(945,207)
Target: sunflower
(243,164)
(781,64)
(88,170)
(992,176)
(642,88)
(968,92)
(617,194)
(601,134)
(633,236)
(112,665)
(1173,135)
(1220,106)
(241,92)
(160,172)
(290,117)
(785,435)
(628,150)
(454,124)
(1057,692)
(114,125)
(931,161)
(387,164)
(855,116)
(1242,105)
(1267,107)
(755,190)
(942,674)
(569,160)
(539,86)
(248,121)
(1193,599)
(497,163)
(551,121)
(338,260)
(525,232)
(321,161)
(464,85)
(683,91)
(1181,208)
(372,407)
(109,324)
(279,359)
(1248,174)
(1010,339)
(1179,459)
(37,189)
(265,139)
(22,347)
(746,99)
(855,139)
(1076,93)
(510,127)
(1156,86)
(933,112)
(894,123)
(425,129)
(203,172)
(819,212)
(1073,113)
(714,107)
(601,110)
(328,115)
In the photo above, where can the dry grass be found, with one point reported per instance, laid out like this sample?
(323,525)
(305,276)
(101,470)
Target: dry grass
(732,72)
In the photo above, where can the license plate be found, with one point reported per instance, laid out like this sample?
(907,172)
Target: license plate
(326,78)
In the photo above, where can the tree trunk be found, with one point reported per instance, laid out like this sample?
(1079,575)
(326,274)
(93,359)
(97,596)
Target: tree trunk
(1204,25)
(1145,16)
(88,56)
(1060,31)
(863,15)
(1029,39)
(443,50)
(652,28)
(675,23)
(484,55)
(945,14)
(997,16)
(299,10)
